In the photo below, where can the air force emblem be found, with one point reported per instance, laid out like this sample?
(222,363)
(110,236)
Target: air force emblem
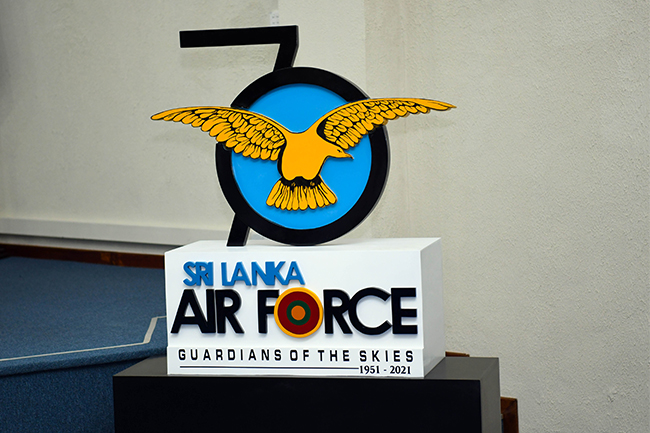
(300,155)
(282,147)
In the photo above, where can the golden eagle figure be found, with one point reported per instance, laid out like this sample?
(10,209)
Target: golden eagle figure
(300,155)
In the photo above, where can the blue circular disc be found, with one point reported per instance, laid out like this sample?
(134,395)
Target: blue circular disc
(297,107)
(297,98)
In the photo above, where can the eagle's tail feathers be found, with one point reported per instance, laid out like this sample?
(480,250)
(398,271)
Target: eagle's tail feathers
(300,194)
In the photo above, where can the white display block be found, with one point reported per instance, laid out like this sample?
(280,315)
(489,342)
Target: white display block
(370,308)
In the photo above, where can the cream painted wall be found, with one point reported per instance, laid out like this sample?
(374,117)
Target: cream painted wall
(79,81)
(538,182)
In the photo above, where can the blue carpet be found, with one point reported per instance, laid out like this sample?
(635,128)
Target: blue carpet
(70,400)
(65,329)
(58,314)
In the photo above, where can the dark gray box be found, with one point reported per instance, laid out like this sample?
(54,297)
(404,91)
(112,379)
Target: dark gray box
(459,395)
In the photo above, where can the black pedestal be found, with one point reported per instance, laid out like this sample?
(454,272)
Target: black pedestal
(458,395)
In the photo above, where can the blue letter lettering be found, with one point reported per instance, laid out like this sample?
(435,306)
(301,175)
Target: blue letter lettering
(265,276)
(273,272)
(195,281)
(293,274)
(239,274)
(204,271)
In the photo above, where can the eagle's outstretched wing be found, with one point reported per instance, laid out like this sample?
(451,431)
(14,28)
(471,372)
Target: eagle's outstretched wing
(245,132)
(345,125)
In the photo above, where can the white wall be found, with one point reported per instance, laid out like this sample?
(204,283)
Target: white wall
(538,182)
(79,82)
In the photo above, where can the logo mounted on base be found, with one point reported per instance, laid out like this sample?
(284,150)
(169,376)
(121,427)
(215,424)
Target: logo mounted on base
(302,154)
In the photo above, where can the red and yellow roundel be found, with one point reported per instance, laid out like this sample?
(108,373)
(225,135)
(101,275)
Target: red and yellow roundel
(298,312)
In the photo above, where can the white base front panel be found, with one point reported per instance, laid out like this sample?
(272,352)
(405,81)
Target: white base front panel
(370,309)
